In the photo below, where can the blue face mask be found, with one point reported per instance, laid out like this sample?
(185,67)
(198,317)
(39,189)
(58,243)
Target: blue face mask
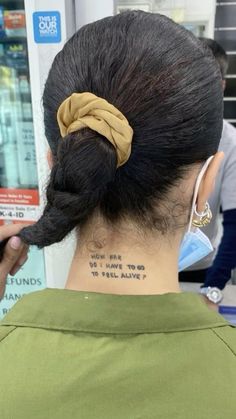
(194,247)
(195,244)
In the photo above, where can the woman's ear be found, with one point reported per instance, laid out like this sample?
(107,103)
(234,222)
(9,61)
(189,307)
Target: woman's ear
(49,158)
(208,182)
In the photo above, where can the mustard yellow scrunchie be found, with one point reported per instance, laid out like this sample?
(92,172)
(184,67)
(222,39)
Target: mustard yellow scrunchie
(82,110)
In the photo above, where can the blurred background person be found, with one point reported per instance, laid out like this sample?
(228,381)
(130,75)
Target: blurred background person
(215,270)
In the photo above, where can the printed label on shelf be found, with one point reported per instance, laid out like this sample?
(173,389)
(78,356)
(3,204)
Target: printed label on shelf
(47,27)
(31,277)
(22,212)
(19,196)
(19,204)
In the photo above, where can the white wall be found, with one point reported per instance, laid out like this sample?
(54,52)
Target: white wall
(88,11)
(57,257)
(182,11)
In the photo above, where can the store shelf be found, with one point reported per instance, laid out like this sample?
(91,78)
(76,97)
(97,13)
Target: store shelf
(226,16)
(10,40)
(225,3)
(232,65)
(225,33)
(229,109)
(12,4)
(230,90)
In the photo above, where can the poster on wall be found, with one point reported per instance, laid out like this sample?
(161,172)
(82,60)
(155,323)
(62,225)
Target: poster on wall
(31,277)
(22,206)
(19,205)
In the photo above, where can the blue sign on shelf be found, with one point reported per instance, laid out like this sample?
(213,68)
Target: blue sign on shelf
(47,27)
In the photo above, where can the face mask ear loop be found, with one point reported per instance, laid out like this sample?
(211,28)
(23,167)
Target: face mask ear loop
(196,189)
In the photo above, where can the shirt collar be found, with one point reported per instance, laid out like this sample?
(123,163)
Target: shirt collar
(112,314)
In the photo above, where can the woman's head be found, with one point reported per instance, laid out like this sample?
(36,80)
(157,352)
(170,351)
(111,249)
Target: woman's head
(167,85)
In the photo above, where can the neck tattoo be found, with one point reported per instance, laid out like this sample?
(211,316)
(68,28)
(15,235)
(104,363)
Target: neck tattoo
(112,266)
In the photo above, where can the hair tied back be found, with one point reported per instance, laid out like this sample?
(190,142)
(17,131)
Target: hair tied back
(82,110)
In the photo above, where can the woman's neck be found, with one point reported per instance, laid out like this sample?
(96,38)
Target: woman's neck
(113,263)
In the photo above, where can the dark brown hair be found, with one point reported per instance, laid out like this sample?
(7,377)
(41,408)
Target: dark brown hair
(219,54)
(166,83)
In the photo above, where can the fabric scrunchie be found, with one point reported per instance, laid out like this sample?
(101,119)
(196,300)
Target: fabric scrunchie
(82,110)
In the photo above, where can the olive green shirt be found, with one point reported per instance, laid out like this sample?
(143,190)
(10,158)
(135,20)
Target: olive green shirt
(67,354)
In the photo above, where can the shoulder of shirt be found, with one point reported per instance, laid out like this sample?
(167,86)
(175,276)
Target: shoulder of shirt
(228,138)
(227,334)
(5,331)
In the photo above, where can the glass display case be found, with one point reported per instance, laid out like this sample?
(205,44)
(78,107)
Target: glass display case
(205,18)
(18,167)
(19,194)
(225,34)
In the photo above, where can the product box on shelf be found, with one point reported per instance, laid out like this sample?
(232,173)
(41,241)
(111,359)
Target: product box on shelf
(14,23)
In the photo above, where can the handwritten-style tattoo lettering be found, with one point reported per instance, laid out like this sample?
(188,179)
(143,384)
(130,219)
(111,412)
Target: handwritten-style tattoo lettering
(112,267)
